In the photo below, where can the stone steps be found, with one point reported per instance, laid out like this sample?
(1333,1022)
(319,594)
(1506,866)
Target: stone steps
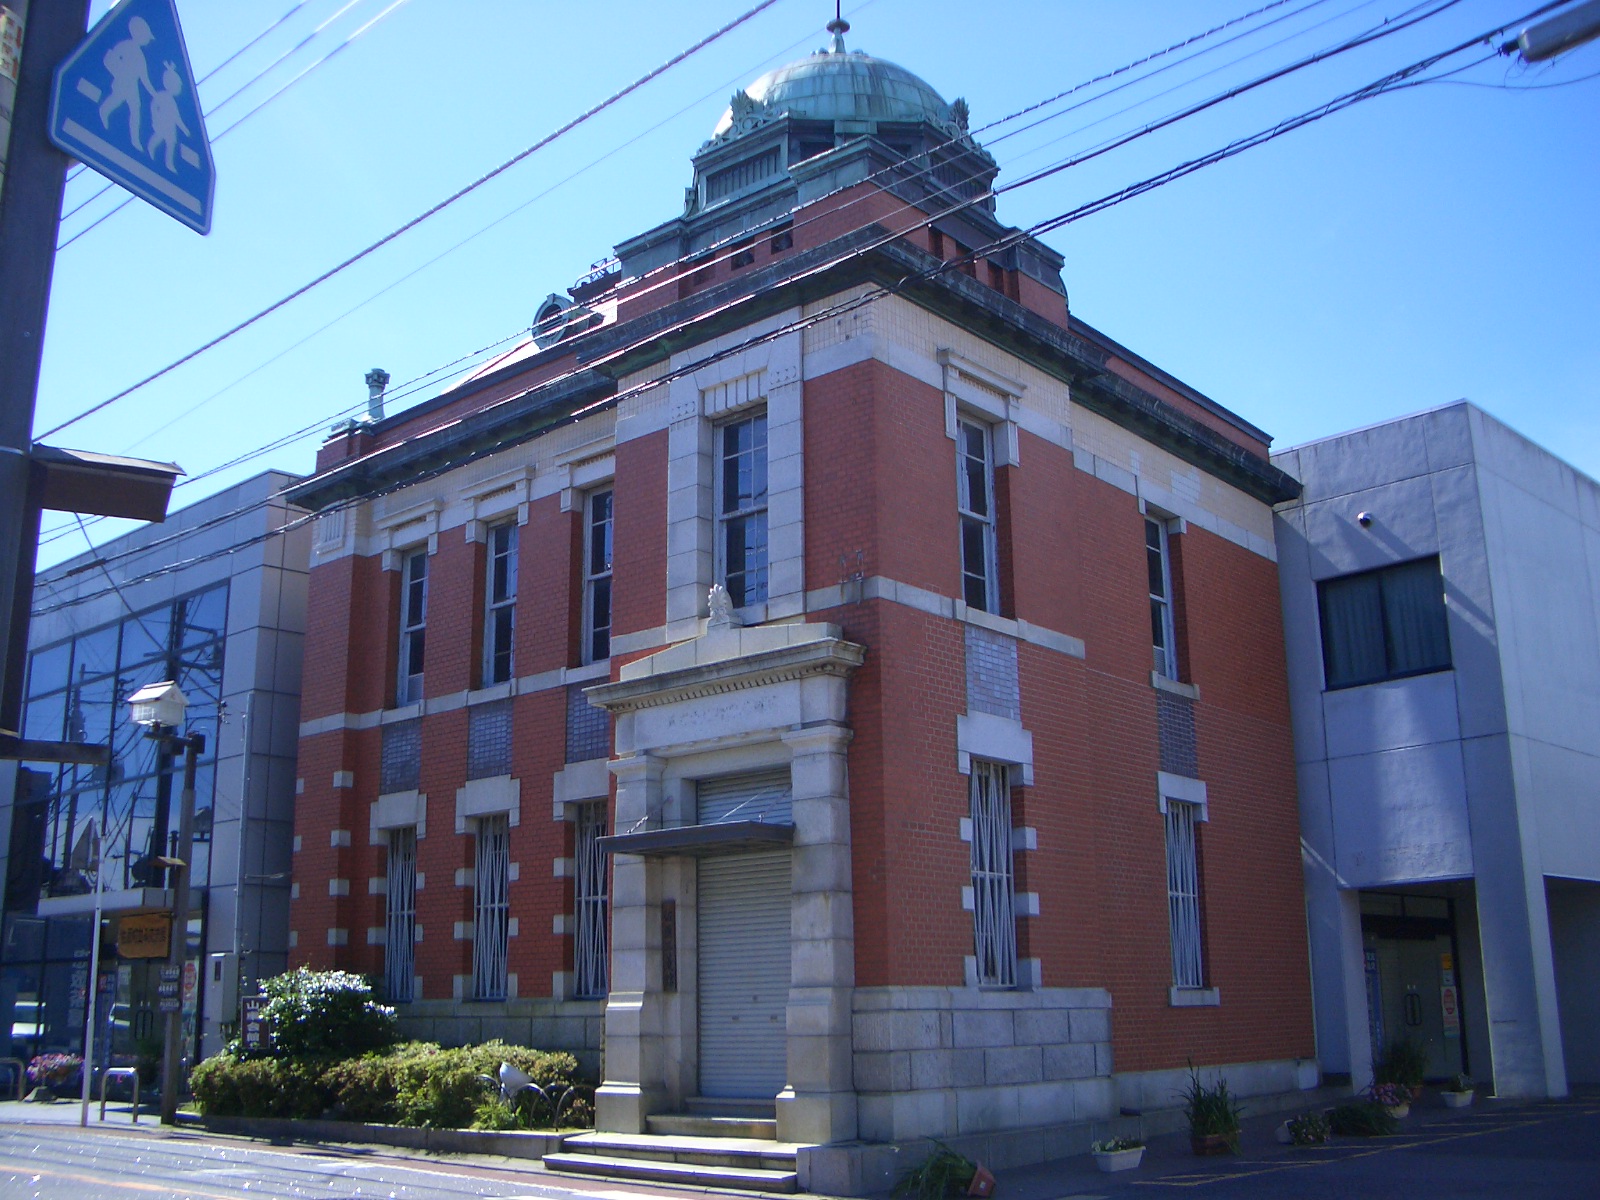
(689,1125)
(753,1163)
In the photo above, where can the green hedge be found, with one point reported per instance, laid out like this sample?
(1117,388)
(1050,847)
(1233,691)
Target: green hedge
(416,1083)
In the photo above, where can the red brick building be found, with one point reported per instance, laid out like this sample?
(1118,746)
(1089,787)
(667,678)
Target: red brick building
(821,660)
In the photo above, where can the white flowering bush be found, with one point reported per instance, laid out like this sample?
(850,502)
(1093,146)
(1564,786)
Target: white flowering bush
(315,1014)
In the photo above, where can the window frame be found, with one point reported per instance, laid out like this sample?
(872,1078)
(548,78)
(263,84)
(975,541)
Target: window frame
(591,900)
(993,877)
(596,581)
(413,633)
(494,607)
(985,521)
(491,907)
(1163,605)
(1380,574)
(1181,821)
(757,510)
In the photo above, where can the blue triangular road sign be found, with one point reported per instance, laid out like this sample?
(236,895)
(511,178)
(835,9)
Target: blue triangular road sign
(125,104)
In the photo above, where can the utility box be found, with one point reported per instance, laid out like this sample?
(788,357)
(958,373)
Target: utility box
(222,989)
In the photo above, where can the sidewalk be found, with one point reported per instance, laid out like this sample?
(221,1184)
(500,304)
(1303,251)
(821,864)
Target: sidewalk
(66,1112)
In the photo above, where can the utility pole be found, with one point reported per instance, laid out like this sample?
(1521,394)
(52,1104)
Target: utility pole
(30,213)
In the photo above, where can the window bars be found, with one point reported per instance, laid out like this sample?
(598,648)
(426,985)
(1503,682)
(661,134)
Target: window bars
(994,921)
(742,509)
(975,500)
(413,627)
(1183,895)
(1157,553)
(591,896)
(500,600)
(491,909)
(597,578)
(400,919)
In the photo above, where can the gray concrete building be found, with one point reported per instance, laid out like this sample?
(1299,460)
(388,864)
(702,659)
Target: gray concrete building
(1439,579)
(214,598)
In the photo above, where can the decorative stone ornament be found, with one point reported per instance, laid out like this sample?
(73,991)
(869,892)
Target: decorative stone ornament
(720,606)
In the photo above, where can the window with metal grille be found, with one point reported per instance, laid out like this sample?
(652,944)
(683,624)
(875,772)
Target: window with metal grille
(592,898)
(400,919)
(413,626)
(491,908)
(489,740)
(1158,563)
(400,757)
(742,509)
(994,920)
(500,602)
(975,500)
(597,577)
(1183,893)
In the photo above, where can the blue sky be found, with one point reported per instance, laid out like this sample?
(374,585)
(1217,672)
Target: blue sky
(1429,245)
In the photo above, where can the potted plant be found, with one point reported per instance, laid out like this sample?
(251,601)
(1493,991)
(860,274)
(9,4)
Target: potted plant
(1393,1097)
(53,1075)
(1213,1113)
(945,1173)
(1404,1063)
(1118,1153)
(1308,1129)
(1458,1092)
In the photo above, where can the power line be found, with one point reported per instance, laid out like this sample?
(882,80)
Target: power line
(420,218)
(1366,37)
(115,209)
(700,256)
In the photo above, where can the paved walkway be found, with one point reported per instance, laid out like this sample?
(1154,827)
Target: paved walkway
(1545,1150)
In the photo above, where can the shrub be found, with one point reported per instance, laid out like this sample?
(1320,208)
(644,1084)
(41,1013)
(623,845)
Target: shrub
(942,1173)
(1213,1110)
(320,1014)
(416,1083)
(1362,1118)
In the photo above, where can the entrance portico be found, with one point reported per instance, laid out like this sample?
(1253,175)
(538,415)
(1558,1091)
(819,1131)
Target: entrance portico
(735,702)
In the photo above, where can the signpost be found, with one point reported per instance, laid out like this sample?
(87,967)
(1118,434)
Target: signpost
(124,103)
(253,1029)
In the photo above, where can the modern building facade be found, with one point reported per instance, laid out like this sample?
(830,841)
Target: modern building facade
(213,599)
(1439,592)
(817,667)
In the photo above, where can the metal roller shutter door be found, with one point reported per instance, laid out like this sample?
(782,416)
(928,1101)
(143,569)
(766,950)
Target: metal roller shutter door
(744,905)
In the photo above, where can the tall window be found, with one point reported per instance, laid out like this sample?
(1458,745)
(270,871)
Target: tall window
(1183,894)
(1384,624)
(500,599)
(597,577)
(994,920)
(400,921)
(975,499)
(742,509)
(413,626)
(1158,560)
(491,926)
(592,899)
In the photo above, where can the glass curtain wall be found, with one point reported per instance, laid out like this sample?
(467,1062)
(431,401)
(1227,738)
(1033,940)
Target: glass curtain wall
(117,820)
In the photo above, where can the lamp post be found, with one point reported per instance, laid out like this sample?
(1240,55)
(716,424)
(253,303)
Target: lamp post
(159,708)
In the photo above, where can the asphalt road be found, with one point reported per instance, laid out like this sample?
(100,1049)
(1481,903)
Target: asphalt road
(54,1163)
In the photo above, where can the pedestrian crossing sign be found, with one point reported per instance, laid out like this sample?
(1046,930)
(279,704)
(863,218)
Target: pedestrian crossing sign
(124,103)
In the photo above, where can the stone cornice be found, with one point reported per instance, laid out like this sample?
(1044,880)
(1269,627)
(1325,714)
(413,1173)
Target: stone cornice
(828,656)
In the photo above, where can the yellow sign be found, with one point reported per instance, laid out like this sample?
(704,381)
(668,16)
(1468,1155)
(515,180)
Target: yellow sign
(146,935)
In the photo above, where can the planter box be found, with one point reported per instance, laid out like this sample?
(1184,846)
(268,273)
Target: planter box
(1118,1160)
(1208,1145)
(1456,1099)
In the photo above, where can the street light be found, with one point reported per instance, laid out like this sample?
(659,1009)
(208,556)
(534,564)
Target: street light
(159,708)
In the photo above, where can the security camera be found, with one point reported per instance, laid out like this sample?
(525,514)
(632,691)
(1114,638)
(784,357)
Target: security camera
(1363,519)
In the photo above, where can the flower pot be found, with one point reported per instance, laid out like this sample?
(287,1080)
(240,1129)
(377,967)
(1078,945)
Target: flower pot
(982,1184)
(1118,1160)
(1398,1110)
(1282,1134)
(1457,1099)
(1207,1145)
